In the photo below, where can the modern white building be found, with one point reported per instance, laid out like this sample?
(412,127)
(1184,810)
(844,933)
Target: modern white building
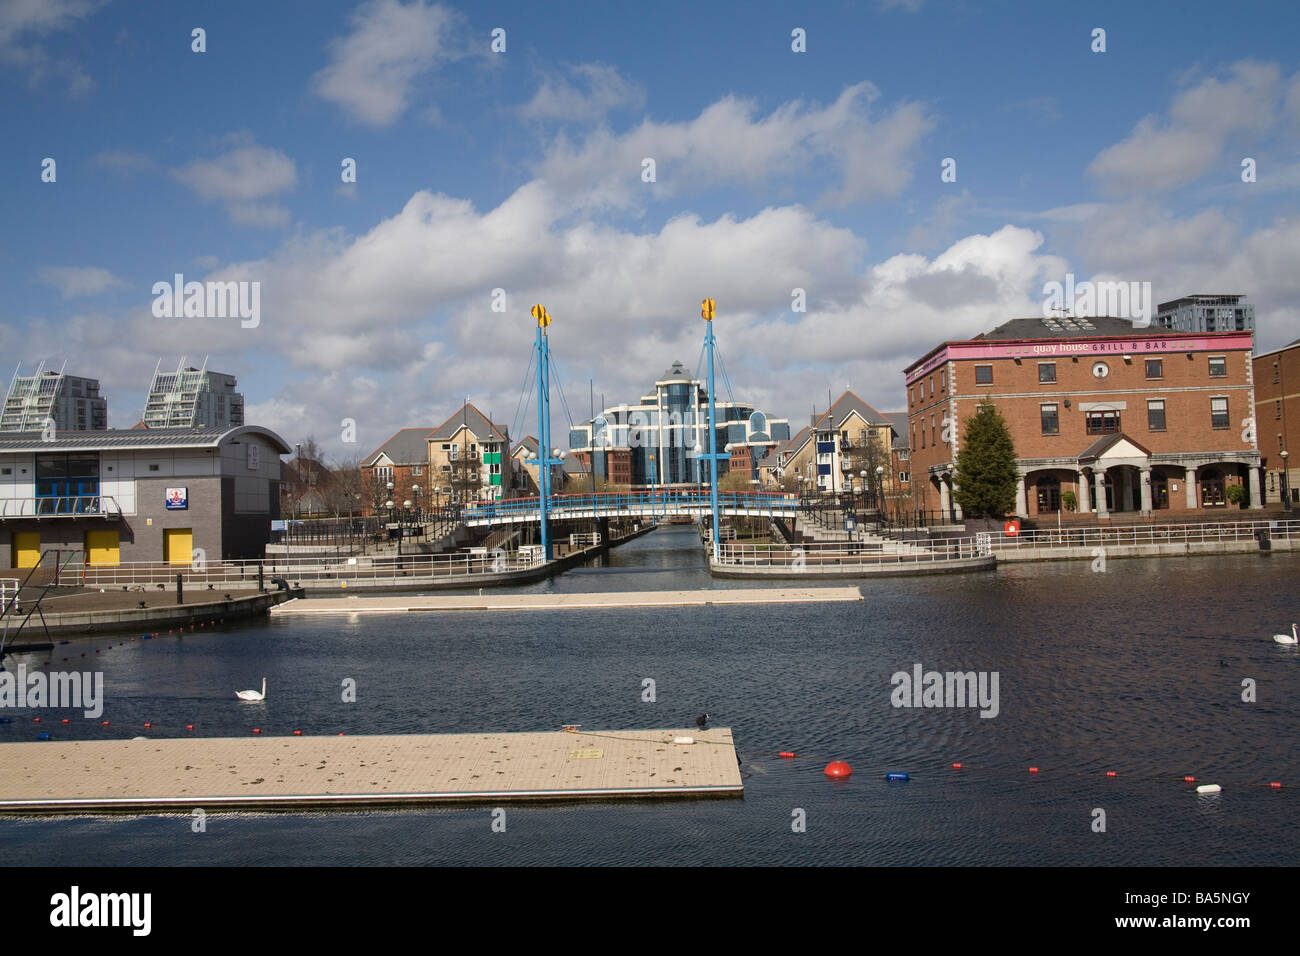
(1207,313)
(193,398)
(70,402)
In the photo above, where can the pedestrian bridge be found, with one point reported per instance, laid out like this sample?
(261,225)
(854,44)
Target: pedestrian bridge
(641,504)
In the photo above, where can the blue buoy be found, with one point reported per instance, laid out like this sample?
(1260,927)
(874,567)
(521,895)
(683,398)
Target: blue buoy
(42,736)
(146,637)
(897,776)
(6,720)
(63,642)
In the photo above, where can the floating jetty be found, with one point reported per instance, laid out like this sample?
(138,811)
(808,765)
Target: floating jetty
(294,773)
(558,602)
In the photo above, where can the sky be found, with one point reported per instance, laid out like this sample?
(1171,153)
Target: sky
(799,156)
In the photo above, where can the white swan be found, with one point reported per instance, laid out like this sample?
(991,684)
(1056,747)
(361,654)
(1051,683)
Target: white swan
(1291,638)
(252,694)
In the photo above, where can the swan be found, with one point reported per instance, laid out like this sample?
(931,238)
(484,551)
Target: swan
(1291,638)
(252,694)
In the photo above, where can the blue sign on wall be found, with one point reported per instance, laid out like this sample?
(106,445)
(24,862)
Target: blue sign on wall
(178,499)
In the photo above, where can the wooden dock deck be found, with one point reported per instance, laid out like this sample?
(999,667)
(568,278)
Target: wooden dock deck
(293,773)
(551,602)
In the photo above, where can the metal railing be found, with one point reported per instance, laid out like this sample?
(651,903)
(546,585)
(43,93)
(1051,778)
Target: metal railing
(811,556)
(74,506)
(633,503)
(1123,535)
(244,574)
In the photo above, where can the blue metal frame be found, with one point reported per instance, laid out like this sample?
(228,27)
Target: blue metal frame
(713,455)
(661,502)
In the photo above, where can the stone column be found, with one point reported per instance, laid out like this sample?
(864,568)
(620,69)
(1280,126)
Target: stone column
(1099,477)
(1146,491)
(1191,488)
(1022,502)
(945,502)
(1085,500)
(1256,499)
(956,508)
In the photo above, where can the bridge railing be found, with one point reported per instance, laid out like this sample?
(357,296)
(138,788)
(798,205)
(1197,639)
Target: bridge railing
(1129,535)
(824,556)
(633,503)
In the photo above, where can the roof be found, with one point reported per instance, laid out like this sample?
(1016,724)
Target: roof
(1280,348)
(126,439)
(794,443)
(676,373)
(899,420)
(527,443)
(1099,447)
(1073,327)
(1198,296)
(469,417)
(846,405)
(408,446)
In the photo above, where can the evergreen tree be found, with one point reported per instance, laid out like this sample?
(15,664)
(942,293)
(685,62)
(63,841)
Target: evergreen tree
(986,465)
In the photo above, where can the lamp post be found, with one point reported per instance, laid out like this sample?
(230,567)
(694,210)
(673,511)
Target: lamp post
(415,492)
(880,494)
(1286,495)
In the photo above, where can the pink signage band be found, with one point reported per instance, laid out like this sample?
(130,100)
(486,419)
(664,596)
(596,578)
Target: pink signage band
(1177,343)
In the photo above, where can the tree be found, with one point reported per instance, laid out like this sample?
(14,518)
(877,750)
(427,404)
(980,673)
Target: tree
(986,465)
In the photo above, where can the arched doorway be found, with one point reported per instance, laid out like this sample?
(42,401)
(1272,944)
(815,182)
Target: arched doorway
(1212,489)
(1048,494)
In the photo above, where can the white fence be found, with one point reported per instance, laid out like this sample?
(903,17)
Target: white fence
(1152,534)
(831,555)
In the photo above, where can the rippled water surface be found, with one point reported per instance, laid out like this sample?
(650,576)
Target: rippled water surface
(1137,670)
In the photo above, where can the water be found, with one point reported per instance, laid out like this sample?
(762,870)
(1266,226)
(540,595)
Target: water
(1138,670)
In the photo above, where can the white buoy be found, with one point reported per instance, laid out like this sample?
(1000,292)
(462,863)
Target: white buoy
(683,740)
(1209,788)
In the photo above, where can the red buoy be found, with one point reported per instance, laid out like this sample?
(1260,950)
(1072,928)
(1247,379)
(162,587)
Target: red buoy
(1111,773)
(36,720)
(103,723)
(257,730)
(1033,770)
(297,733)
(147,726)
(65,720)
(340,733)
(189,726)
(956,766)
(788,754)
(837,768)
(1275,785)
(1189,779)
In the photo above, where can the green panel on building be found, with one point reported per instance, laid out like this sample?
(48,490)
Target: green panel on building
(495,479)
(492,458)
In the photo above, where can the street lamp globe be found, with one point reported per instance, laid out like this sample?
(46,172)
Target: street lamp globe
(389,504)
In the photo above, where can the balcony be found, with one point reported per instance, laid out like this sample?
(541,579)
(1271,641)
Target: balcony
(82,506)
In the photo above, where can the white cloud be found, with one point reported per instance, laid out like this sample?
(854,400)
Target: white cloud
(72,281)
(599,90)
(1165,153)
(372,70)
(242,177)
(22,19)
(726,144)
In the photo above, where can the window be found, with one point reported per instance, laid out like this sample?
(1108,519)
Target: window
(1050,420)
(1155,368)
(902,477)
(943,380)
(983,374)
(1277,413)
(931,386)
(453,453)
(417,470)
(1046,372)
(1156,415)
(1276,375)
(911,399)
(1103,422)
(153,467)
(1219,412)
(1218,367)
(10,471)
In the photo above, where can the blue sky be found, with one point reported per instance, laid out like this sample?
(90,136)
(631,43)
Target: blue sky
(522,170)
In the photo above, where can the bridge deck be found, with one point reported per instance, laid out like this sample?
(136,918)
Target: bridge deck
(295,772)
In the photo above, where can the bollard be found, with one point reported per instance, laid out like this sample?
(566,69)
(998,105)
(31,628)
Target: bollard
(180,589)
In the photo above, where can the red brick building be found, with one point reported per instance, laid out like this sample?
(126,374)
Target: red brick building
(1128,419)
(1277,414)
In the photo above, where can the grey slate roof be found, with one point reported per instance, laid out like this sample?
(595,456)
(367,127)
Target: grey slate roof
(1099,447)
(126,439)
(1074,327)
(844,406)
(904,441)
(474,420)
(409,446)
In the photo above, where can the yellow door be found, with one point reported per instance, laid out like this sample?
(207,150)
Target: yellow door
(26,549)
(178,545)
(101,547)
